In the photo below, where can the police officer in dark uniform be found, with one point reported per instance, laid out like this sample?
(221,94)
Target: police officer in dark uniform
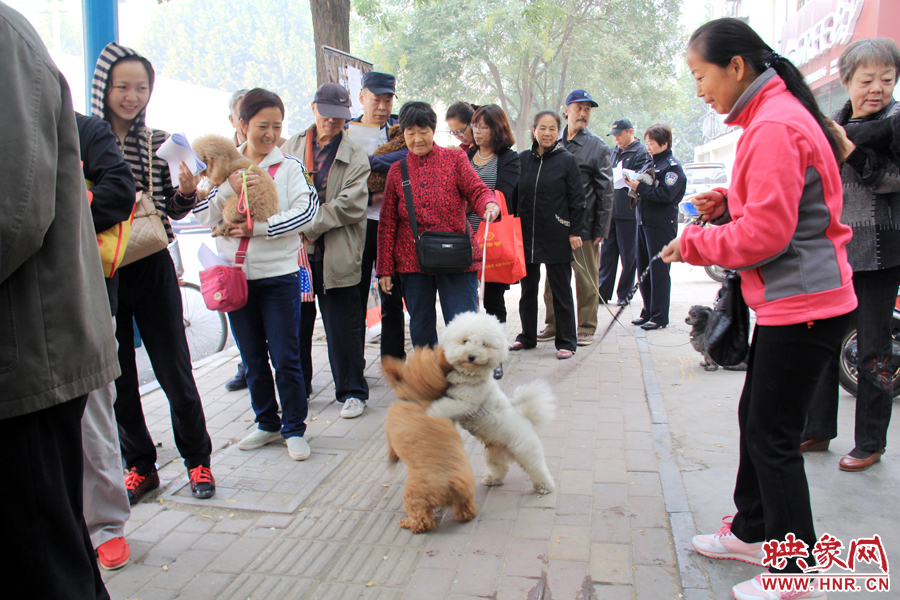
(657,217)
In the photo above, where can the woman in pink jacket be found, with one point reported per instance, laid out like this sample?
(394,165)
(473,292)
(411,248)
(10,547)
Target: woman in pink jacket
(780,226)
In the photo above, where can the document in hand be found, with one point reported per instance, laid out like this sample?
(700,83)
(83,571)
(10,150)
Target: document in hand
(176,150)
(618,176)
(367,136)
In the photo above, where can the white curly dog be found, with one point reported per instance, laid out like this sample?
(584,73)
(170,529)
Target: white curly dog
(474,344)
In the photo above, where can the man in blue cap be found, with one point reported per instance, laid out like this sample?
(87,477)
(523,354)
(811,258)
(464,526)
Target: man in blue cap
(631,154)
(592,155)
(377,97)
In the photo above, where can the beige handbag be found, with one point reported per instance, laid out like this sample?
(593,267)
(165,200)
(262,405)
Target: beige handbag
(148,232)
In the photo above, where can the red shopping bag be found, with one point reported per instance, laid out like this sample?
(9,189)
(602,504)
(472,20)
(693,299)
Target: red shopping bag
(504,252)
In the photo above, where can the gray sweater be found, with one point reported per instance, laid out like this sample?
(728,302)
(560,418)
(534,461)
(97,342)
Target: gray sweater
(871,208)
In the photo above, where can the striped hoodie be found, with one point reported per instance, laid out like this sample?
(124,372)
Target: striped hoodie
(138,141)
(785,201)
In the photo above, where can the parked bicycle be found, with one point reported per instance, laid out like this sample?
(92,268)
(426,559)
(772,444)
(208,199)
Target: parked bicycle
(206,330)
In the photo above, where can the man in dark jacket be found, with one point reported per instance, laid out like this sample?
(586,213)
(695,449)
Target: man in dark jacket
(106,507)
(377,97)
(592,155)
(629,153)
(56,336)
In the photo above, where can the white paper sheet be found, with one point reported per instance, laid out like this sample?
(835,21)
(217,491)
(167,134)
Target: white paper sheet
(618,176)
(354,81)
(210,258)
(177,149)
(367,136)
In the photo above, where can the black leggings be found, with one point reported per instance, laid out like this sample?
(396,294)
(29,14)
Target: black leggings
(771,493)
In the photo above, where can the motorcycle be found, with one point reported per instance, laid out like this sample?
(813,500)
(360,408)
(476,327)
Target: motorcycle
(849,375)
(715,272)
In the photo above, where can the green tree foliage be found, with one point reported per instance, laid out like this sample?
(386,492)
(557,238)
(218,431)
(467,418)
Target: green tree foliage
(228,45)
(526,55)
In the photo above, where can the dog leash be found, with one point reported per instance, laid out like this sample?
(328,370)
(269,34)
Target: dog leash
(628,298)
(483,265)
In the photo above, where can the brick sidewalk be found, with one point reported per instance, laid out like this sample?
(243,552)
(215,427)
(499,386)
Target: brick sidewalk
(327,528)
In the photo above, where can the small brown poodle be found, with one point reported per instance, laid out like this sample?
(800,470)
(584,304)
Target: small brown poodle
(377,181)
(431,448)
(222,159)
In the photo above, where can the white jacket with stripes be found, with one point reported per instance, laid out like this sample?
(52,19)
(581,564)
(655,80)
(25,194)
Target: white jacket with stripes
(272,251)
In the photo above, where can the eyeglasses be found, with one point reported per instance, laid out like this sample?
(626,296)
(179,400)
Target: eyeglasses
(480,128)
(459,132)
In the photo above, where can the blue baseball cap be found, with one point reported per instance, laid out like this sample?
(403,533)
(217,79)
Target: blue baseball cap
(379,83)
(580,96)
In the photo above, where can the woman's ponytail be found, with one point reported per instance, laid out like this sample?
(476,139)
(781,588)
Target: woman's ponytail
(793,79)
(721,40)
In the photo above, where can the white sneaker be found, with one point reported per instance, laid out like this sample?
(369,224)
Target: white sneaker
(753,589)
(298,449)
(258,439)
(726,545)
(353,407)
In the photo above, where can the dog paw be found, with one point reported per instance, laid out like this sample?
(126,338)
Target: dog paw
(417,525)
(464,515)
(543,488)
(491,480)
(711,368)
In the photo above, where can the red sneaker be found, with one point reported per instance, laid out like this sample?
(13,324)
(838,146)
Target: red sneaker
(203,484)
(137,485)
(113,554)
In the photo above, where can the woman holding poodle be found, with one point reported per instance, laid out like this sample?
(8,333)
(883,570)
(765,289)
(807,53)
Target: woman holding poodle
(780,224)
(871,181)
(148,288)
(497,164)
(268,326)
(443,184)
(551,206)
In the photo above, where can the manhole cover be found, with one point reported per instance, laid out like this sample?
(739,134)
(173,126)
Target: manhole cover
(265,479)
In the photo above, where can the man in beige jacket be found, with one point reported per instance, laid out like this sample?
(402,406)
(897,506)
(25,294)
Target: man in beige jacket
(339,169)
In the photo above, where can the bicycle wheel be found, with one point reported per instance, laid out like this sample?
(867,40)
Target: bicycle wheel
(206,330)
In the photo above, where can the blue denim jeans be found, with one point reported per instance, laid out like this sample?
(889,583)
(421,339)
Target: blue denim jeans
(268,327)
(459,294)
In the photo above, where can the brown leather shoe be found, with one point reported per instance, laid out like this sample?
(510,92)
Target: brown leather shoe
(546,335)
(584,339)
(814,446)
(848,463)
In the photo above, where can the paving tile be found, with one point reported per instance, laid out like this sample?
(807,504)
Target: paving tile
(568,542)
(656,582)
(648,512)
(653,546)
(238,556)
(568,578)
(611,563)
(477,575)
(604,591)
(325,523)
(526,558)
(207,586)
(383,565)
(267,586)
(306,558)
(516,588)
(444,550)
(610,471)
(641,460)
(575,482)
(644,484)
(169,548)
(180,572)
(501,505)
(384,528)
(534,523)
(158,526)
(429,584)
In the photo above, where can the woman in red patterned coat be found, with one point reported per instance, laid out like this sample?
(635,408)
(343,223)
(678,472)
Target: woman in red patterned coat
(443,186)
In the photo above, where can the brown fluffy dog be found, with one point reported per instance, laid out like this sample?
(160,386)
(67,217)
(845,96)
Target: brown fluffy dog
(377,181)
(222,159)
(431,448)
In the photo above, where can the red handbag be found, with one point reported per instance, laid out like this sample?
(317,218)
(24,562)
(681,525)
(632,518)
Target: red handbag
(503,250)
(225,288)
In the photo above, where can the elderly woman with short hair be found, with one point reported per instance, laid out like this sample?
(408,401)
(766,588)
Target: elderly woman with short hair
(871,181)
(443,184)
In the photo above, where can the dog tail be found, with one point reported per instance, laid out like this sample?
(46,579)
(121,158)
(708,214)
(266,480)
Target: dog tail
(536,402)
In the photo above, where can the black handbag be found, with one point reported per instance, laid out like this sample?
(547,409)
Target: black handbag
(728,329)
(437,252)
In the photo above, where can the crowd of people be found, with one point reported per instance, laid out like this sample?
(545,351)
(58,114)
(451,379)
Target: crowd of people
(350,212)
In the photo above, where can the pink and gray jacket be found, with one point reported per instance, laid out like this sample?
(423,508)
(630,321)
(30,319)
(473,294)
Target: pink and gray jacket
(785,201)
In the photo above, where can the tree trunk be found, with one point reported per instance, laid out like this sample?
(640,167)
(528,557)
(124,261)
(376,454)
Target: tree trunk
(331,27)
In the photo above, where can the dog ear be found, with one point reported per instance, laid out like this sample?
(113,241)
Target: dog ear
(445,365)
(393,370)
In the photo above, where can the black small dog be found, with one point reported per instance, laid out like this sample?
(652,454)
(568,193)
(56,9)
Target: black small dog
(698,319)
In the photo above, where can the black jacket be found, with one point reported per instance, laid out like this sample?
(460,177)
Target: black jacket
(634,157)
(658,203)
(113,192)
(592,155)
(550,204)
(508,170)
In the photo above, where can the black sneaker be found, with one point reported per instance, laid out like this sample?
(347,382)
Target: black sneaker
(203,484)
(239,382)
(137,485)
